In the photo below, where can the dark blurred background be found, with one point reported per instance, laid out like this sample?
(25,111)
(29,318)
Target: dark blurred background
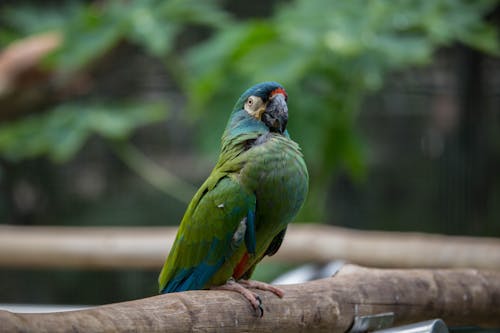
(111,114)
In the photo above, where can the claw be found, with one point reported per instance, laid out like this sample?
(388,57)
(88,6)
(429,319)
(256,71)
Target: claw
(260,308)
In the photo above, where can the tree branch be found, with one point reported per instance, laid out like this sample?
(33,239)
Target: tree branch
(147,247)
(459,297)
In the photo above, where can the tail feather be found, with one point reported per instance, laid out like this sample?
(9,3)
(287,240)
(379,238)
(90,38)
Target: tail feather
(194,278)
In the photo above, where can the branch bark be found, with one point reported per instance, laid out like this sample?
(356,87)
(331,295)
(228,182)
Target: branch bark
(459,297)
(147,247)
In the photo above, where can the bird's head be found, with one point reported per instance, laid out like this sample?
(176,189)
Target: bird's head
(266,102)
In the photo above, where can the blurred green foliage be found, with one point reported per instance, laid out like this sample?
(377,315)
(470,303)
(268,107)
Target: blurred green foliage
(60,134)
(328,54)
(90,32)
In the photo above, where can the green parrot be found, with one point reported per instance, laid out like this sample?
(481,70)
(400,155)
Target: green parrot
(241,212)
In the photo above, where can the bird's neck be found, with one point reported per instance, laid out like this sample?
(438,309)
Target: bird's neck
(242,124)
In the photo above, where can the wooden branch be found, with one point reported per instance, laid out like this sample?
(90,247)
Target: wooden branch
(147,247)
(82,247)
(313,243)
(459,297)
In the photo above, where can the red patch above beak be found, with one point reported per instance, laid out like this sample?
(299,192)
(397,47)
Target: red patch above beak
(279,91)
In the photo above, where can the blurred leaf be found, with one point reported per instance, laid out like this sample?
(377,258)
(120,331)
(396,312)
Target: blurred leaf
(483,38)
(147,29)
(29,20)
(155,24)
(61,132)
(91,34)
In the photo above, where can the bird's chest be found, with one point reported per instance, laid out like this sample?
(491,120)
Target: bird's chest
(276,172)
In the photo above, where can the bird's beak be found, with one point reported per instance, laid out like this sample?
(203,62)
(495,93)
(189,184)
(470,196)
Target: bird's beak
(276,115)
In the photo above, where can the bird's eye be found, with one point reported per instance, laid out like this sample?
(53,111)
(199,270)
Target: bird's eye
(254,106)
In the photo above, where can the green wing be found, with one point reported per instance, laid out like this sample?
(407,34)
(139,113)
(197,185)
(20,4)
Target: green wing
(219,218)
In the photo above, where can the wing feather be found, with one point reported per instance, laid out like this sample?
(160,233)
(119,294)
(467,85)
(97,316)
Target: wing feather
(205,237)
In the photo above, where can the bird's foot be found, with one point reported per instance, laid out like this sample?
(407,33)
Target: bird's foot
(254,299)
(263,286)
